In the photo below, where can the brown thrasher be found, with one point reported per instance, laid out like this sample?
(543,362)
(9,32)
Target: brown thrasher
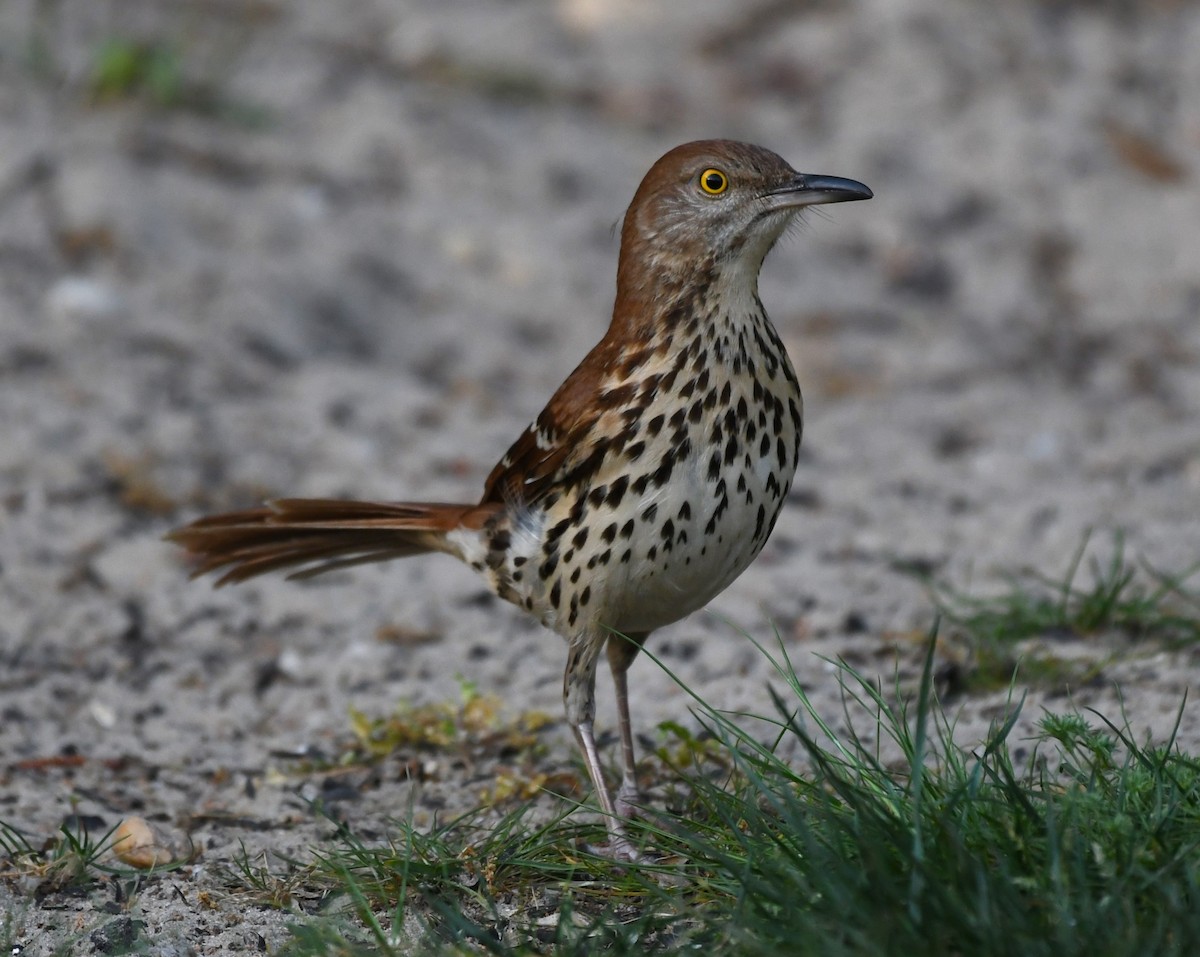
(653,476)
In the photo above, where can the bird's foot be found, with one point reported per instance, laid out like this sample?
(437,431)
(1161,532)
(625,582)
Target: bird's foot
(631,803)
(619,849)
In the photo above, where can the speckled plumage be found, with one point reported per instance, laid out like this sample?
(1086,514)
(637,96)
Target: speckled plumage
(655,473)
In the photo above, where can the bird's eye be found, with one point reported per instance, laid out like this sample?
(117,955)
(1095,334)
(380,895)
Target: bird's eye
(714,182)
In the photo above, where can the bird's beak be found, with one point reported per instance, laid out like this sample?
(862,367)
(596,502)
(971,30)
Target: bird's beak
(809,189)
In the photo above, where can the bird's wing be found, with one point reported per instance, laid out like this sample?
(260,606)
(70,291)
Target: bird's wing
(551,449)
(587,422)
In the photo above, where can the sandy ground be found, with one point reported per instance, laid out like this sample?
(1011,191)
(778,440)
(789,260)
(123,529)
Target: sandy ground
(371,240)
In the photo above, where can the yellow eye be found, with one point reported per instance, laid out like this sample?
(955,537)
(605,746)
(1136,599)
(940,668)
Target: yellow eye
(714,182)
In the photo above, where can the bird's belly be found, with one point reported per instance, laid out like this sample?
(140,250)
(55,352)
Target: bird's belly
(679,568)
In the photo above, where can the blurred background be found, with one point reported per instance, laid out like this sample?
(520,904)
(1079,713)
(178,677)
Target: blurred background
(255,247)
(198,198)
(262,247)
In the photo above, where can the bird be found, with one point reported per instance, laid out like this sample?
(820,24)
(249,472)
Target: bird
(652,477)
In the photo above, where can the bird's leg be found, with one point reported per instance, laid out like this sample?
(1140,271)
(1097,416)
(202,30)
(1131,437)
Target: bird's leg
(579,697)
(622,650)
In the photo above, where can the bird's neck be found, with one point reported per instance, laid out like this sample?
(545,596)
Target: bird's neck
(660,296)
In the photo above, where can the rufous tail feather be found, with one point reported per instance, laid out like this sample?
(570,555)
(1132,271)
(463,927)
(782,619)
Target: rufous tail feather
(317,535)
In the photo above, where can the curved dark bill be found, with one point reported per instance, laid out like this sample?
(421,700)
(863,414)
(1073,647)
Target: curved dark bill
(809,189)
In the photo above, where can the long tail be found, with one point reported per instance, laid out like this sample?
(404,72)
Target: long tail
(318,535)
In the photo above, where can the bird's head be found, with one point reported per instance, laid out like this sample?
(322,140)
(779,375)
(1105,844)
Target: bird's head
(718,202)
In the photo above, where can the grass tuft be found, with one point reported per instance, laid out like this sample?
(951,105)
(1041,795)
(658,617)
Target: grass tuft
(1030,622)
(70,859)
(899,842)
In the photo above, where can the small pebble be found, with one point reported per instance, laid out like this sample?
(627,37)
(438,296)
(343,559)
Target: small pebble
(81,298)
(135,843)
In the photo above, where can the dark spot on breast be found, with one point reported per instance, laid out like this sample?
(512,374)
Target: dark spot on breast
(617,491)
(654,426)
(501,540)
(627,529)
(596,496)
(685,511)
(625,556)
(764,447)
(519,560)
(556,594)
(714,467)
(580,537)
(663,473)
(641,483)
(557,532)
(649,512)
(609,533)
(547,567)
(731,450)
(576,573)
(585,595)
(668,530)
(634,452)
